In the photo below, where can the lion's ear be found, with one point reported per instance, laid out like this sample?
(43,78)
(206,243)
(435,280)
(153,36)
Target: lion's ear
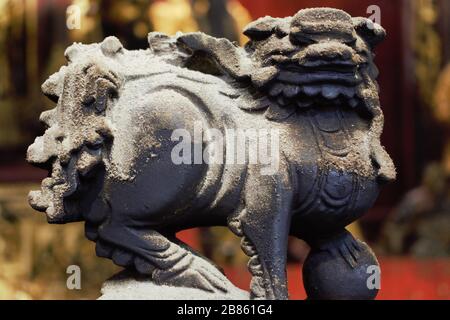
(263,28)
(213,55)
(370,31)
(260,29)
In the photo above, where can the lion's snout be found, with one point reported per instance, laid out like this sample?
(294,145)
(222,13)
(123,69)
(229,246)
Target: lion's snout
(331,51)
(332,56)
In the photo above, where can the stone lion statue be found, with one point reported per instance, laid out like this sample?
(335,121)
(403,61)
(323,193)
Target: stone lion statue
(109,149)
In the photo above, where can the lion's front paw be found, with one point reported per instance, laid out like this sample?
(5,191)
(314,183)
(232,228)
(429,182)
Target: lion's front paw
(194,272)
(327,276)
(346,246)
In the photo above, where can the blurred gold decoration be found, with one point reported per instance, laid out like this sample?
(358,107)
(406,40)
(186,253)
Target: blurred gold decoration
(355,230)
(241,18)
(31,19)
(12,18)
(446,160)
(442,97)
(420,222)
(34,255)
(90,25)
(201,7)
(30,98)
(4,23)
(127,20)
(19,84)
(172,16)
(442,110)
(125,12)
(140,29)
(427,47)
(222,246)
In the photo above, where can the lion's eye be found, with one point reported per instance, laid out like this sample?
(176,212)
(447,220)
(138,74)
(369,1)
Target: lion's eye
(351,42)
(299,39)
(95,145)
(89,100)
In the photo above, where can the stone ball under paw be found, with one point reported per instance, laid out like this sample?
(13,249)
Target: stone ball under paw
(330,277)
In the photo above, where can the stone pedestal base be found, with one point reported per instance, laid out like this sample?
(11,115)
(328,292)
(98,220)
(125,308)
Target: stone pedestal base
(127,285)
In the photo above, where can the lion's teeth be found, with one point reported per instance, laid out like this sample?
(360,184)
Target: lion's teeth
(353,103)
(290,91)
(276,89)
(281,101)
(330,92)
(348,92)
(304,104)
(311,90)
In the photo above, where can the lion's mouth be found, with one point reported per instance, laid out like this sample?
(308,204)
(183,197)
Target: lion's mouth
(318,82)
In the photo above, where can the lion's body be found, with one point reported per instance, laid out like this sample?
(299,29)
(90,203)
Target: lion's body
(205,195)
(114,143)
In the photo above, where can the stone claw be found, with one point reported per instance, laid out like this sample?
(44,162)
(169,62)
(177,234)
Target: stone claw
(193,271)
(346,246)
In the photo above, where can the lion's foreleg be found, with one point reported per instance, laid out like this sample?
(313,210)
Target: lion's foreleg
(155,255)
(264,226)
(339,267)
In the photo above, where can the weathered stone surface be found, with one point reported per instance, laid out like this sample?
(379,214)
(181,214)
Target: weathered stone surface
(307,83)
(131,286)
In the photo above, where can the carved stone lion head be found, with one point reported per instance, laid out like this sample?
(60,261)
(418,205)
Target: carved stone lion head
(317,56)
